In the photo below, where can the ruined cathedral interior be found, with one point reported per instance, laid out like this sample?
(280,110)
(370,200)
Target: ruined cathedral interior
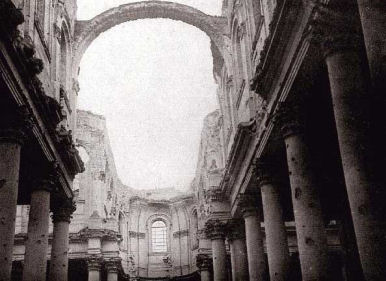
(290,177)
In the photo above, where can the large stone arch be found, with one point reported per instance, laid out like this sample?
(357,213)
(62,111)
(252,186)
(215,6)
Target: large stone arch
(215,27)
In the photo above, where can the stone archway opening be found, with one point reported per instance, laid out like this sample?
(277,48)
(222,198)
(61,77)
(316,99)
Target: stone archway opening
(214,26)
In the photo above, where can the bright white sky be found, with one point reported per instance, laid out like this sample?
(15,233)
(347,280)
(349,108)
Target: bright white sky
(152,80)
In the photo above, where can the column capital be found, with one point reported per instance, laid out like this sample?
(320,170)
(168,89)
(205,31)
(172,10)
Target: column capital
(248,204)
(235,229)
(62,209)
(265,171)
(113,265)
(334,27)
(215,229)
(94,263)
(289,117)
(203,262)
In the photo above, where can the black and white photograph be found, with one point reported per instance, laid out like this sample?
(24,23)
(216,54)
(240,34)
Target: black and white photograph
(193,140)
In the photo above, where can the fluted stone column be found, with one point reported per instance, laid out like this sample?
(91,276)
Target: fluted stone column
(215,230)
(351,104)
(36,246)
(61,217)
(275,231)
(310,229)
(112,267)
(10,146)
(94,266)
(239,260)
(204,264)
(254,237)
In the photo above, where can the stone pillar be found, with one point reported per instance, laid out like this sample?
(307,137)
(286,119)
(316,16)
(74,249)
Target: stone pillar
(239,260)
(215,230)
(10,146)
(373,19)
(310,229)
(94,266)
(350,97)
(204,264)
(112,266)
(62,211)
(254,237)
(36,246)
(275,231)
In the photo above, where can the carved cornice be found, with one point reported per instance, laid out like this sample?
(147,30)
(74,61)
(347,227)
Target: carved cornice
(334,27)
(140,235)
(181,233)
(104,234)
(235,229)
(215,229)
(203,262)
(62,209)
(289,118)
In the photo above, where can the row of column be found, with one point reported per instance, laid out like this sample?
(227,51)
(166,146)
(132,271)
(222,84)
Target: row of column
(36,245)
(95,268)
(352,100)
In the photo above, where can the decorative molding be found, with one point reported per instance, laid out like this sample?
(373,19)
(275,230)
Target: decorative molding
(290,119)
(235,229)
(215,229)
(113,265)
(204,262)
(104,234)
(334,28)
(181,233)
(62,209)
(140,235)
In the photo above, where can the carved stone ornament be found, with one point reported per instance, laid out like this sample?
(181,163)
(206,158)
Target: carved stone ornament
(215,229)
(235,229)
(247,203)
(104,234)
(203,262)
(10,18)
(289,118)
(334,27)
(113,265)
(94,263)
(62,209)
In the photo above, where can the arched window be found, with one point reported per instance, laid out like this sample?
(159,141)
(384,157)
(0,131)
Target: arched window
(159,237)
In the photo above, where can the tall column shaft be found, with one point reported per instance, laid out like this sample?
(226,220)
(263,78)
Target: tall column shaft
(310,230)
(239,260)
(35,261)
(373,19)
(219,259)
(349,98)
(275,233)
(59,253)
(255,248)
(9,183)
(205,275)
